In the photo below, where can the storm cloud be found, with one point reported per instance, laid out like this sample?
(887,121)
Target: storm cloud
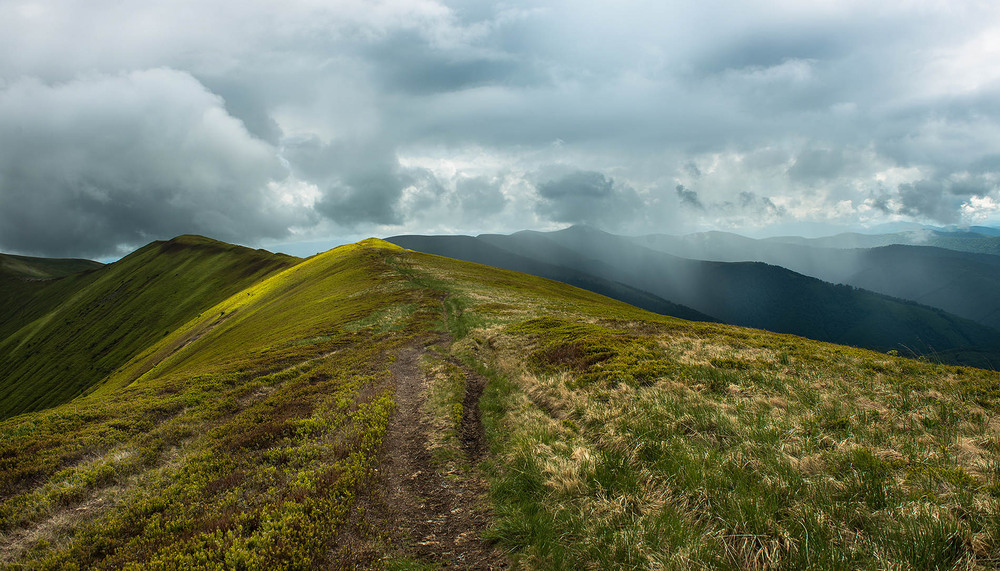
(587,197)
(104,160)
(261,124)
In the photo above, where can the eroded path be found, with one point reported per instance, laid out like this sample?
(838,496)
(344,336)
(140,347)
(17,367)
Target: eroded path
(413,510)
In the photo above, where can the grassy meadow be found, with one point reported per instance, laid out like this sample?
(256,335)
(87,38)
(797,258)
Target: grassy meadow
(627,440)
(617,438)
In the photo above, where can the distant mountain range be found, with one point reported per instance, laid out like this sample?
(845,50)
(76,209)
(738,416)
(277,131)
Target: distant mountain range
(775,285)
(983,240)
(955,280)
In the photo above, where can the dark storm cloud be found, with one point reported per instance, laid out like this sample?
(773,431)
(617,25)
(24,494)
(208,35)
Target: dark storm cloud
(880,201)
(305,118)
(361,182)
(408,62)
(689,197)
(92,164)
(590,198)
(759,205)
(929,199)
(987,164)
(941,199)
(247,104)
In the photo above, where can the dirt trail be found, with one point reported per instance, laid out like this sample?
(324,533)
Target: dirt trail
(411,510)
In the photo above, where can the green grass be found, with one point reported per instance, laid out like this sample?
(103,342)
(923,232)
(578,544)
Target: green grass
(622,439)
(736,461)
(236,450)
(618,438)
(74,333)
(43,268)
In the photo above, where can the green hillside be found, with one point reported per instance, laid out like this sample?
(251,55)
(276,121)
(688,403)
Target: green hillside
(32,286)
(75,331)
(373,407)
(43,268)
(476,250)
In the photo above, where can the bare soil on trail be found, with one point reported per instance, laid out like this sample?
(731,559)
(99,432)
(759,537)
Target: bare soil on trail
(412,510)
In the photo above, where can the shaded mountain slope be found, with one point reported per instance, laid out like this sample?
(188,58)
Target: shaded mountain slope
(43,268)
(754,294)
(961,283)
(480,251)
(79,329)
(31,286)
(250,437)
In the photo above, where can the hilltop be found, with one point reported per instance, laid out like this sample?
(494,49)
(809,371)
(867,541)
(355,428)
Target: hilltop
(378,407)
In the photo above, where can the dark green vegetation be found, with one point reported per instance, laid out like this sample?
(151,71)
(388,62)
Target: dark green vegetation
(242,444)
(62,336)
(618,438)
(43,268)
(31,286)
(747,294)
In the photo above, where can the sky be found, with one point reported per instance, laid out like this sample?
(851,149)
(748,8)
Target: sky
(313,122)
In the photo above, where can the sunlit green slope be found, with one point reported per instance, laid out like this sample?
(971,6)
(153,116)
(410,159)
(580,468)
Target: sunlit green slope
(618,438)
(237,439)
(63,338)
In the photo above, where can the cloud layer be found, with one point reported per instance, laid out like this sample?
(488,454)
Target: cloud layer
(259,123)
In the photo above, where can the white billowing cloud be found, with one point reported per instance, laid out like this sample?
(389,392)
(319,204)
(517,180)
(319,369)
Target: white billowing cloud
(979,208)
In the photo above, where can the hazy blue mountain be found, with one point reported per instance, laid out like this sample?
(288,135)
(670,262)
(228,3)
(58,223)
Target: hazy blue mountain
(985,241)
(962,283)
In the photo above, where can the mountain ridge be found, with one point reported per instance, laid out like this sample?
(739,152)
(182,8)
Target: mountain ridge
(98,320)
(504,420)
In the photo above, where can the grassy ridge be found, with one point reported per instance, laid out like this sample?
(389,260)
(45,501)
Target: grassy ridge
(620,438)
(78,330)
(747,294)
(243,449)
(628,440)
